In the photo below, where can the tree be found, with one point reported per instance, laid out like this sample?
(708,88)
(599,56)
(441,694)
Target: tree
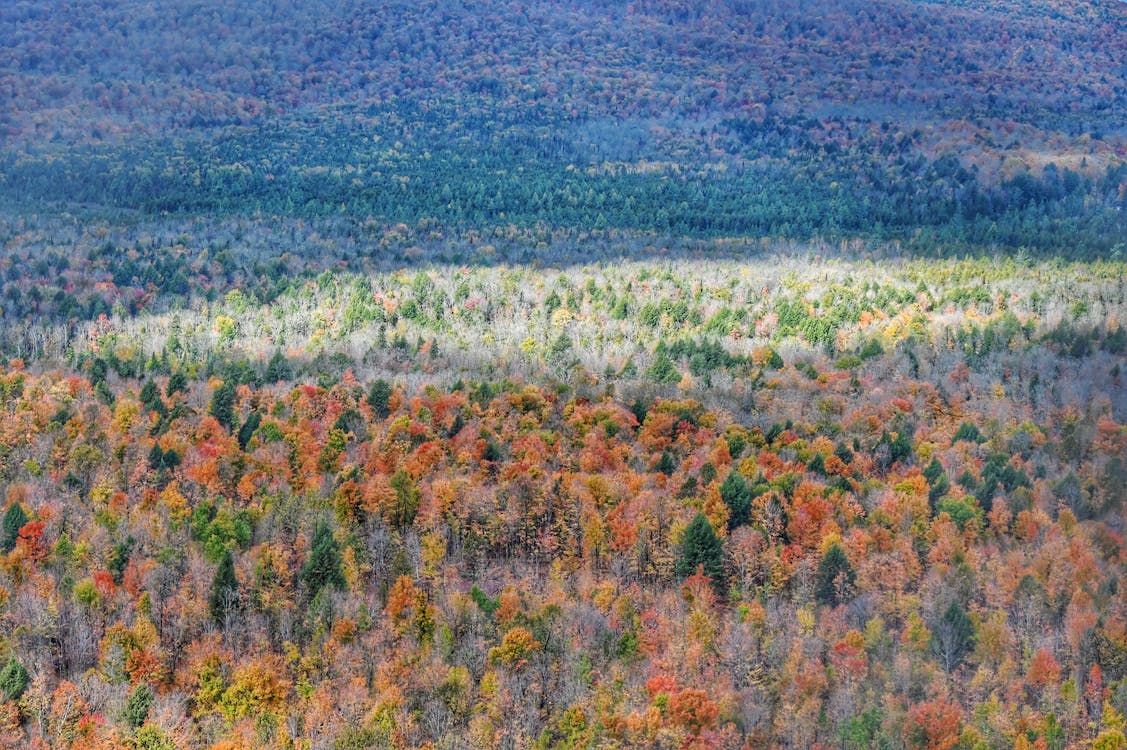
(14,520)
(737,496)
(378,397)
(223,404)
(278,369)
(224,589)
(323,566)
(953,637)
(177,383)
(835,577)
(933,725)
(150,737)
(13,680)
(138,705)
(407,499)
(700,547)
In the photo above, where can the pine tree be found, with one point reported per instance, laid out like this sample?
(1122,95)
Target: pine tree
(378,397)
(138,705)
(700,547)
(246,432)
(177,383)
(737,496)
(150,397)
(953,637)
(14,520)
(13,680)
(278,369)
(835,577)
(323,566)
(223,404)
(224,589)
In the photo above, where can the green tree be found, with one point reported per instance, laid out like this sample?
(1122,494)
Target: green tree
(835,578)
(737,496)
(14,520)
(378,397)
(407,499)
(13,680)
(663,370)
(223,404)
(246,432)
(138,705)
(177,383)
(323,566)
(700,547)
(278,368)
(150,397)
(151,737)
(953,637)
(224,589)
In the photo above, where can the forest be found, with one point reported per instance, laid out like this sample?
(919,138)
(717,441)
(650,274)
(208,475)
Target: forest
(563,374)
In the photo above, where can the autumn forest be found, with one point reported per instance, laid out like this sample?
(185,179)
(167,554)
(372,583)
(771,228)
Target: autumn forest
(563,374)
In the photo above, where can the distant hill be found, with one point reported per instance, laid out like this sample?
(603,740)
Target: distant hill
(967,124)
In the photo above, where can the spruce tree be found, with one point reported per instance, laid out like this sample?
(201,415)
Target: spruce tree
(953,637)
(278,369)
(13,680)
(138,705)
(378,397)
(14,520)
(737,496)
(177,383)
(700,547)
(323,566)
(224,589)
(835,577)
(223,404)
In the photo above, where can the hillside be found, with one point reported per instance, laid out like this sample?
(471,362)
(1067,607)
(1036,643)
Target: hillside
(961,125)
(561,375)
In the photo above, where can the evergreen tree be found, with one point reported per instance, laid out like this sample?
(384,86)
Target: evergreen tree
(223,404)
(835,577)
(14,520)
(663,370)
(737,496)
(138,705)
(937,482)
(323,566)
(224,589)
(407,498)
(278,369)
(13,680)
(378,397)
(700,547)
(246,432)
(177,383)
(150,397)
(953,637)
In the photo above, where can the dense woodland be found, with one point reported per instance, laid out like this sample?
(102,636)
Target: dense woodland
(789,501)
(550,375)
(947,126)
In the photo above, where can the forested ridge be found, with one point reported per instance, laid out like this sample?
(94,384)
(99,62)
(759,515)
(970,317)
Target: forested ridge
(965,127)
(555,375)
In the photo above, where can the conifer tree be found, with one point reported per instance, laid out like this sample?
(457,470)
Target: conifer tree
(323,566)
(700,547)
(737,496)
(13,680)
(835,577)
(224,589)
(378,397)
(14,520)
(223,404)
